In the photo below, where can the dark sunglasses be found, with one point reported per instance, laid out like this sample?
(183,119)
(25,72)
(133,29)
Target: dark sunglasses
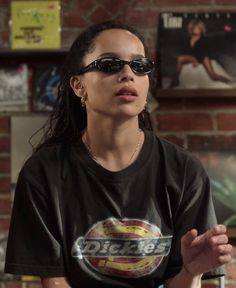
(141,66)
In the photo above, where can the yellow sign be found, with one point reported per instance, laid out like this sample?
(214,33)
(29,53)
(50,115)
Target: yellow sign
(35,25)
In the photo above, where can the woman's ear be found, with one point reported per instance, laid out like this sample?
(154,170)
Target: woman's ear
(77,86)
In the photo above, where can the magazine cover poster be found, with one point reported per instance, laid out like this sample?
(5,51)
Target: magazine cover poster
(35,24)
(197,50)
(46,79)
(14,88)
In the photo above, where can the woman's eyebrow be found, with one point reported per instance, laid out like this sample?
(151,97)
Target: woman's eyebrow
(137,56)
(108,54)
(113,54)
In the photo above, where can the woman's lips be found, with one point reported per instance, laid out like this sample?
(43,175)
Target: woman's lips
(127,94)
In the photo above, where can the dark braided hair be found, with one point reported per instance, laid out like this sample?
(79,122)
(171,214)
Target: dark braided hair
(69,118)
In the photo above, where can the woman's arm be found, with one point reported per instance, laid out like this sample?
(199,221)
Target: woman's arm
(184,279)
(56,282)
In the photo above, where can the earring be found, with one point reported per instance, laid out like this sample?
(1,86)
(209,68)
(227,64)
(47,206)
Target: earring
(145,106)
(82,99)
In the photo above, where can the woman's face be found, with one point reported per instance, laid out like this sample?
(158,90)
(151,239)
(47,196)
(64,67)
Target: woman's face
(119,95)
(197,31)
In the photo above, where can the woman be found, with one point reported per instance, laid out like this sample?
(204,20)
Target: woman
(103,202)
(197,52)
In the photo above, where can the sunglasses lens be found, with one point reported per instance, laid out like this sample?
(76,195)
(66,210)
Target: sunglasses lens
(109,65)
(142,66)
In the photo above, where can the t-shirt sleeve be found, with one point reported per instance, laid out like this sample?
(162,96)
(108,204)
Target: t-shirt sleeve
(34,240)
(195,210)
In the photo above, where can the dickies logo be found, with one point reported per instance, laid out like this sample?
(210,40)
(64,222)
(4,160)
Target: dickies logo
(123,247)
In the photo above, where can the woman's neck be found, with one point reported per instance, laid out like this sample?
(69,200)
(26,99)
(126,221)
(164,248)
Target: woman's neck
(194,40)
(114,148)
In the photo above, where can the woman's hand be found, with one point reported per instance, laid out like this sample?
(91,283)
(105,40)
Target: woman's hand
(202,253)
(54,282)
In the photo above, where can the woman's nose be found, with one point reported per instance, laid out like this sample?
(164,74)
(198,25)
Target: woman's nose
(126,74)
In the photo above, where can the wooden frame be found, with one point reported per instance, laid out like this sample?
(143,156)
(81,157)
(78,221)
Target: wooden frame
(213,72)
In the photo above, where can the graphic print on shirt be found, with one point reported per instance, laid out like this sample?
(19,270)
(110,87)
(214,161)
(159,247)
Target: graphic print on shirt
(122,247)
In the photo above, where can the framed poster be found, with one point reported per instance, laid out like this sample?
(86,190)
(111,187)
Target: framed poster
(221,168)
(197,54)
(46,79)
(35,24)
(14,87)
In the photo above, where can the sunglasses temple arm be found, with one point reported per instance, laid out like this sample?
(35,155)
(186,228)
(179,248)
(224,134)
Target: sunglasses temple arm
(89,67)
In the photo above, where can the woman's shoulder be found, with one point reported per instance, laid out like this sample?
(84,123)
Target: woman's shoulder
(181,165)
(45,159)
(168,146)
(46,153)
(177,156)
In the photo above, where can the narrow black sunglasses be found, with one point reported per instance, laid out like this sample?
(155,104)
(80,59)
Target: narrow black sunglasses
(139,66)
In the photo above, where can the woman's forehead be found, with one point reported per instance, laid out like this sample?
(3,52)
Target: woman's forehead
(117,41)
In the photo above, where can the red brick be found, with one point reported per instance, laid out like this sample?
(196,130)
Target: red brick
(4,18)
(121,6)
(4,144)
(177,3)
(207,285)
(100,14)
(217,142)
(170,104)
(4,124)
(5,206)
(210,104)
(4,165)
(34,285)
(73,20)
(68,37)
(143,3)
(5,3)
(85,6)
(142,18)
(225,2)
(174,139)
(4,39)
(5,185)
(226,121)
(4,224)
(184,122)
(13,284)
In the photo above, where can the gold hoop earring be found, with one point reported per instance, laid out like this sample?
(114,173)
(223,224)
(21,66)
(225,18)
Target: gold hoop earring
(145,106)
(82,99)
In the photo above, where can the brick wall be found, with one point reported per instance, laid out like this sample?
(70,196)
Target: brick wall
(193,123)
(4,173)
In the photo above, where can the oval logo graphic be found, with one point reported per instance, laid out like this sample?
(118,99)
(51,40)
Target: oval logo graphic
(123,247)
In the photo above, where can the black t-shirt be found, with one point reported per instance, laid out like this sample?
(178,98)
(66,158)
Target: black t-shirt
(73,218)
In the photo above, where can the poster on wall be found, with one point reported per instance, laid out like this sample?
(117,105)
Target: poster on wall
(197,51)
(46,79)
(223,185)
(14,88)
(35,24)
